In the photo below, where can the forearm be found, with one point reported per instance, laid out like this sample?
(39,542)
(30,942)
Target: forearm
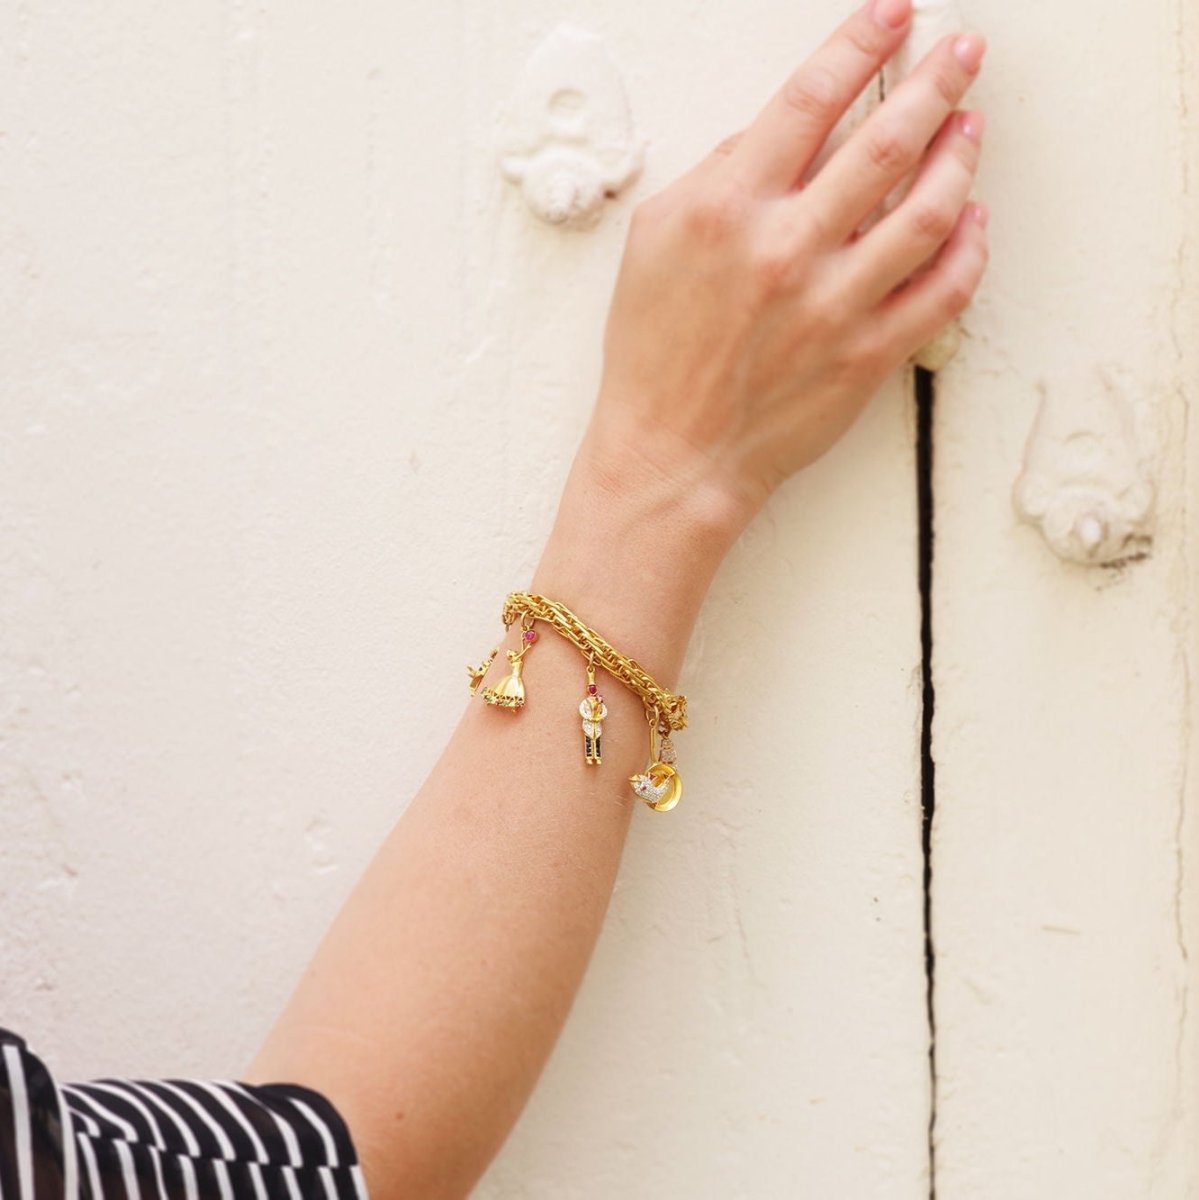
(437,995)
(751,322)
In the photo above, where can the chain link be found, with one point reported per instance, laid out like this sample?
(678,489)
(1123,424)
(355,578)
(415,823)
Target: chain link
(670,710)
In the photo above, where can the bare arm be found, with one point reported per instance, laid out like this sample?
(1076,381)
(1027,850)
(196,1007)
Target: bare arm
(749,327)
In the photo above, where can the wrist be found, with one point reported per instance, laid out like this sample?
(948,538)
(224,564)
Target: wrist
(634,548)
(637,459)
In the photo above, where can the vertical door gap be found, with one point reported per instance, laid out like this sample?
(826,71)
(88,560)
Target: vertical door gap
(925,395)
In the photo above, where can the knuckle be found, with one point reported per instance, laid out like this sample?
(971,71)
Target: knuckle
(812,92)
(966,152)
(947,83)
(873,352)
(828,317)
(775,267)
(933,221)
(716,214)
(888,151)
(957,294)
(815,229)
(865,36)
(974,264)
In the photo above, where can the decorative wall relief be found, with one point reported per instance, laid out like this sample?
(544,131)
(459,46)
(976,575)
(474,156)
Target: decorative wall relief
(931,21)
(1089,472)
(569,140)
(941,350)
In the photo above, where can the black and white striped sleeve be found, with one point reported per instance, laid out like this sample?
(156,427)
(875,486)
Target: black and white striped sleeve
(167,1139)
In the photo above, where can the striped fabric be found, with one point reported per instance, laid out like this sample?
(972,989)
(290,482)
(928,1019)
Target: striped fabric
(166,1139)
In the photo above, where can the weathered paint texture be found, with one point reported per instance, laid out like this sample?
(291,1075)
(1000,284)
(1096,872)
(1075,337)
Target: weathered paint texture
(292,378)
(1064,847)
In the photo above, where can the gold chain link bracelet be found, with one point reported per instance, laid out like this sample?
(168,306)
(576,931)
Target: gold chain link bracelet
(660,784)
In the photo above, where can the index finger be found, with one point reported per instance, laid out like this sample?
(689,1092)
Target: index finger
(788,133)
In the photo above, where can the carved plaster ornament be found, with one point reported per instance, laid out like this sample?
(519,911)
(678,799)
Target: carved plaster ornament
(931,21)
(568,140)
(1088,478)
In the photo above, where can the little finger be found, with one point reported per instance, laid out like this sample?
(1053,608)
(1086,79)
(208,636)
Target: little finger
(915,314)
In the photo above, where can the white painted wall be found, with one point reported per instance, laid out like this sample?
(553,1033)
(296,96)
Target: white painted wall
(292,377)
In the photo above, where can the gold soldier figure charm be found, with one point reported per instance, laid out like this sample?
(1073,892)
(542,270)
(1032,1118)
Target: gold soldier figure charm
(593,710)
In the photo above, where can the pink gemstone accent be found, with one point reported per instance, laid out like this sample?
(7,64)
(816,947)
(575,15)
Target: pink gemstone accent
(530,635)
(592,689)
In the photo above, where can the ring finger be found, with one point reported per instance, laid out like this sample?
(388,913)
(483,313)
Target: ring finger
(911,235)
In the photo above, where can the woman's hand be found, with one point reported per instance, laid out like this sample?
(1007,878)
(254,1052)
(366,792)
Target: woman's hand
(751,321)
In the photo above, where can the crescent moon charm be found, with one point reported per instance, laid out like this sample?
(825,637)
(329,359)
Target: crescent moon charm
(659,785)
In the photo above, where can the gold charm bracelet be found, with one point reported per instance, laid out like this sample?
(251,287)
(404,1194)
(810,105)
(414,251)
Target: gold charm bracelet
(660,784)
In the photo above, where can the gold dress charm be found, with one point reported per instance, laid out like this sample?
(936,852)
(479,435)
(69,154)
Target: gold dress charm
(509,693)
(659,785)
(478,673)
(593,710)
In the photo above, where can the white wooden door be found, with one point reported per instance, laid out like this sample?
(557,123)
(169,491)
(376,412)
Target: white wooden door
(293,374)
(1065,844)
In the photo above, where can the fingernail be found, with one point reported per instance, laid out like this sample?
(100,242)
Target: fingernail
(970,48)
(981,213)
(973,124)
(892,13)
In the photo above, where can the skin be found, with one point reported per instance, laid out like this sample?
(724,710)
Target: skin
(750,325)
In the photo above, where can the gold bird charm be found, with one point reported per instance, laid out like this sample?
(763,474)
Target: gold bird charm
(659,785)
(477,673)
